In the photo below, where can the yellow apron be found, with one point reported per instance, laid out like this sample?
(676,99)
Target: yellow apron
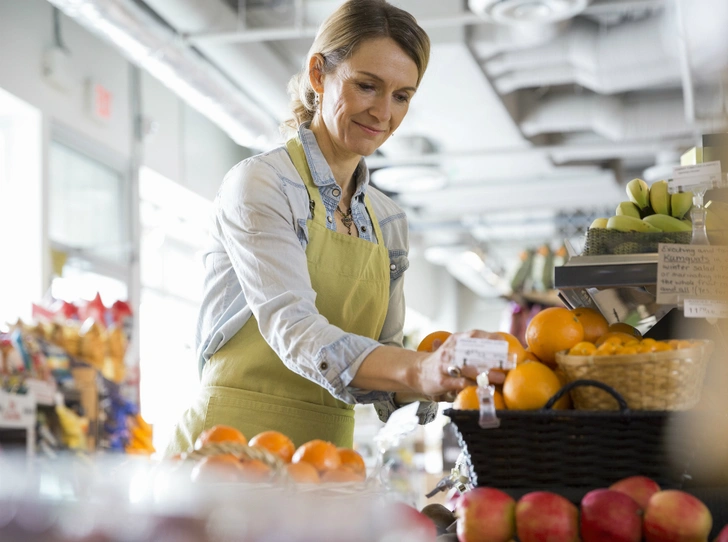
(247,386)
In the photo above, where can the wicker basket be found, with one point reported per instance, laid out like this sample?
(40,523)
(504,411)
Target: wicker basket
(670,380)
(602,241)
(549,449)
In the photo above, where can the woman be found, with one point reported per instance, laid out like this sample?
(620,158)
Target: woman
(303,305)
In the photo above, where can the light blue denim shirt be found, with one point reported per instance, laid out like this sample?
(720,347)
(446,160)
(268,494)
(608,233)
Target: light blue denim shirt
(255,264)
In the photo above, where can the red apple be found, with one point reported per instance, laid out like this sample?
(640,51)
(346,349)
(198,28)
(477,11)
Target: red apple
(676,516)
(640,488)
(407,520)
(722,535)
(542,516)
(485,515)
(610,516)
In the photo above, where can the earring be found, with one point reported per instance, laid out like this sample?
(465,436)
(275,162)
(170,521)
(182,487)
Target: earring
(316,101)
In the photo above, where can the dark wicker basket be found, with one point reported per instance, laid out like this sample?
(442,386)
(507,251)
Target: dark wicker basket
(602,241)
(578,449)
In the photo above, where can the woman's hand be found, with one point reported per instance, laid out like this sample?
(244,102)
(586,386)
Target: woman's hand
(437,375)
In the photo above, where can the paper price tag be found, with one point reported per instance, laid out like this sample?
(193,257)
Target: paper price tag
(701,176)
(483,353)
(705,308)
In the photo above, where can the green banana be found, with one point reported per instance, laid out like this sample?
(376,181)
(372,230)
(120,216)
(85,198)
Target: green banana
(667,223)
(629,223)
(627,208)
(599,223)
(680,204)
(660,198)
(638,193)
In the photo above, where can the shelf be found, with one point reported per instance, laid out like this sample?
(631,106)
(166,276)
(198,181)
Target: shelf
(607,271)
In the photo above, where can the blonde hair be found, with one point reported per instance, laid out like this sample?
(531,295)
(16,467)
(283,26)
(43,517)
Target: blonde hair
(338,38)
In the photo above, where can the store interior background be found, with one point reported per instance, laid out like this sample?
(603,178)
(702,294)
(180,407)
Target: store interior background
(525,134)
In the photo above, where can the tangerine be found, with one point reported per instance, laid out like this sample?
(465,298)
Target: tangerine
(617,338)
(625,328)
(594,324)
(530,385)
(303,473)
(468,399)
(552,330)
(433,341)
(583,348)
(321,454)
(514,346)
(217,468)
(220,433)
(530,356)
(341,475)
(276,443)
(254,470)
(351,459)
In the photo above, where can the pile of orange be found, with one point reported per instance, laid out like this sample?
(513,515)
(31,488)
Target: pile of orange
(617,343)
(313,462)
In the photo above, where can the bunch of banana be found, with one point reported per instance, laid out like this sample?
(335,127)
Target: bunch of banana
(650,209)
(140,436)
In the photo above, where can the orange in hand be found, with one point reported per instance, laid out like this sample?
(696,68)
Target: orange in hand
(514,346)
(220,433)
(594,324)
(552,330)
(433,341)
(319,453)
(276,443)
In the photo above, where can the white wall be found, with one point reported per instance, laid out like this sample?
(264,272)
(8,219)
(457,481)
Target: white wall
(432,291)
(187,148)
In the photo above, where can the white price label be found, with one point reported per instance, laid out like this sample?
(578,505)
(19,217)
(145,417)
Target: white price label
(16,411)
(483,353)
(705,308)
(701,176)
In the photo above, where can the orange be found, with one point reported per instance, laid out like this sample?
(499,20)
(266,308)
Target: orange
(321,454)
(583,348)
(530,385)
(351,459)
(433,341)
(677,344)
(552,330)
(220,433)
(468,399)
(276,443)
(514,346)
(617,338)
(625,350)
(625,328)
(303,473)
(254,470)
(530,356)
(594,324)
(217,468)
(607,348)
(341,475)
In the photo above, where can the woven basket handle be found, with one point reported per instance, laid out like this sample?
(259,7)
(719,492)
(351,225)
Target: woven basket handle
(623,407)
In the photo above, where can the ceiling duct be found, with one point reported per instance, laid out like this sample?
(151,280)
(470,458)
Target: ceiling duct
(527,12)
(158,50)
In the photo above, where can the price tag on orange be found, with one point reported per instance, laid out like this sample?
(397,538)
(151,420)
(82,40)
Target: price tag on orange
(485,354)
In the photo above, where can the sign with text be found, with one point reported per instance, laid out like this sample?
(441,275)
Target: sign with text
(484,354)
(691,272)
(16,411)
(705,308)
(697,177)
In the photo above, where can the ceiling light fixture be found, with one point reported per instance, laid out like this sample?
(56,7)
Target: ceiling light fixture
(519,12)
(409,179)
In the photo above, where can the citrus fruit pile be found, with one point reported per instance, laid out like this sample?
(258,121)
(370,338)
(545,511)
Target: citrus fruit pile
(313,462)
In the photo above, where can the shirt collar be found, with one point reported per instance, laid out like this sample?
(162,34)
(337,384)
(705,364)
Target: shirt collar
(320,170)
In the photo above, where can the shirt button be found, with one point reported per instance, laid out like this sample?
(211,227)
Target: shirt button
(380,412)
(329,219)
(363,228)
(393,267)
(324,366)
(336,191)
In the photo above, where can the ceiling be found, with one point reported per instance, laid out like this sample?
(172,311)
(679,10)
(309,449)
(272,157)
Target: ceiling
(531,123)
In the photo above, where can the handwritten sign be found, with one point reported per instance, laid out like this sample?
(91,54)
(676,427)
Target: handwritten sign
(691,272)
(705,308)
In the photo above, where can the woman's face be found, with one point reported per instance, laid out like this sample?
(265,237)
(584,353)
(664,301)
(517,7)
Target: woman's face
(365,99)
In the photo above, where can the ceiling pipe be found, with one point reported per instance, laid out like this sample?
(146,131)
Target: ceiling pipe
(156,49)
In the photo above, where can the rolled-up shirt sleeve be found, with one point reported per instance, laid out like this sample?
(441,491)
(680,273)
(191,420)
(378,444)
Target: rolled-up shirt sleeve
(256,225)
